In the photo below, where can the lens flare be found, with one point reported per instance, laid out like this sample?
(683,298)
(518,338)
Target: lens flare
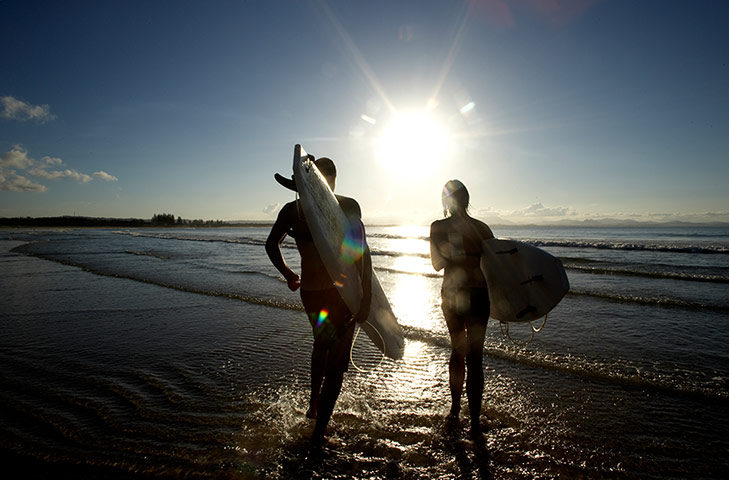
(353,246)
(323,315)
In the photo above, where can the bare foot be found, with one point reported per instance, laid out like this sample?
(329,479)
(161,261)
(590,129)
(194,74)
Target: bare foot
(454,413)
(476,432)
(318,444)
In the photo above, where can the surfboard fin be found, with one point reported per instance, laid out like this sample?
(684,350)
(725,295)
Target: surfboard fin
(538,278)
(286,182)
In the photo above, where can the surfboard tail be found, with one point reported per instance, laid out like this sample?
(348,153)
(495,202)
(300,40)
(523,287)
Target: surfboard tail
(388,344)
(525,283)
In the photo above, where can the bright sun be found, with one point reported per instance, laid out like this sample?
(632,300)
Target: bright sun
(412,144)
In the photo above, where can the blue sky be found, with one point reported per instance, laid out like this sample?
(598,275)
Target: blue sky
(546,110)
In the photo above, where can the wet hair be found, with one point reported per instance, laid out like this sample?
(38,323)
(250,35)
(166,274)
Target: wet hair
(455,197)
(326,167)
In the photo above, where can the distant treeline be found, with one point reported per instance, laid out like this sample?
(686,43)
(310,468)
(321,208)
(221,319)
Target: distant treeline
(69,221)
(167,219)
(158,220)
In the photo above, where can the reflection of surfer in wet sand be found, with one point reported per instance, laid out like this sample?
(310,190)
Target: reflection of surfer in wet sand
(455,245)
(331,320)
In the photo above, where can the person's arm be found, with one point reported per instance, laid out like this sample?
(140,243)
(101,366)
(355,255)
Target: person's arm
(366,269)
(358,235)
(273,249)
(438,243)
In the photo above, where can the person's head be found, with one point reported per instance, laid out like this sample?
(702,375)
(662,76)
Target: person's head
(327,168)
(455,197)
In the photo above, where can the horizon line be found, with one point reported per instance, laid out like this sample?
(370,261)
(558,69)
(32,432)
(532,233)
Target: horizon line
(587,222)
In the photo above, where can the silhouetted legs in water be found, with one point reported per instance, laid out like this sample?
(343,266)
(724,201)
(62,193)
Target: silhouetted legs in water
(329,393)
(318,366)
(327,374)
(467,357)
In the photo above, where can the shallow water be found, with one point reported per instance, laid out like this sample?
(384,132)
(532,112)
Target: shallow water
(180,353)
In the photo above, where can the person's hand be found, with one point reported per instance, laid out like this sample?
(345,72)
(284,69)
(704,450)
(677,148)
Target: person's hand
(294,282)
(362,316)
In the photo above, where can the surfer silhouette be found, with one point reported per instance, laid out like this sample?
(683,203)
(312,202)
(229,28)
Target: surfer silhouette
(331,321)
(455,248)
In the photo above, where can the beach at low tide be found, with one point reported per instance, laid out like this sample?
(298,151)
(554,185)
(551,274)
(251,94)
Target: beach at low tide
(110,371)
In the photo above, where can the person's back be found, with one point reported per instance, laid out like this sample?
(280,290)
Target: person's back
(457,240)
(314,275)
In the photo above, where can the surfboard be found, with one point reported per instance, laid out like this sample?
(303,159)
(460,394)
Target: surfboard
(525,282)
(328,225)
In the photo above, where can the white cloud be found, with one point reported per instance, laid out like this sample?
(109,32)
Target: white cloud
(57,174)
(17,157)
(52,161)
(48,168)
(105,176)
(15,109)
(272,209)
(11,182)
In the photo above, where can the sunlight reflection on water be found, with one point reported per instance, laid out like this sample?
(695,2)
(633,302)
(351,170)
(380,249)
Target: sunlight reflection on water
(412,300)
(413,264)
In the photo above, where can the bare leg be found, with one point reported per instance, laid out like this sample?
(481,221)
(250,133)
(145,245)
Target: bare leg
(336,364)
(329,394)
(474,382)
(457,370)
(318,366)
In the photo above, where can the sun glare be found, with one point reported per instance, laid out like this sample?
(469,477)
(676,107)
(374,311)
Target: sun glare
(412,144)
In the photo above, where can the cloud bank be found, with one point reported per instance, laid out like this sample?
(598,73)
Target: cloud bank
(47,168)
(539,214)
(15,109)
(539,210)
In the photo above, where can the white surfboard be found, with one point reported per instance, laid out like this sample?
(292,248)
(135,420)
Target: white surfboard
(328,224)
(525,283)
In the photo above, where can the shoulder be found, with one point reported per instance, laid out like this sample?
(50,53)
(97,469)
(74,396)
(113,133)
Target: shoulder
(441,225)
(349,205)
(482,228)
(439,228)
(288,211)
(288,207)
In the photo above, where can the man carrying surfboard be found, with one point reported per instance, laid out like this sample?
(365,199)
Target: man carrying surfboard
(455,247)
(331,320)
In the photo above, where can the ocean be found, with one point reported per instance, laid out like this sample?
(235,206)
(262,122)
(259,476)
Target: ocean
(180,353)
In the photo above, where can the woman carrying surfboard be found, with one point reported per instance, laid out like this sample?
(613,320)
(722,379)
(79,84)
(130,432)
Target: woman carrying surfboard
(455,248)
